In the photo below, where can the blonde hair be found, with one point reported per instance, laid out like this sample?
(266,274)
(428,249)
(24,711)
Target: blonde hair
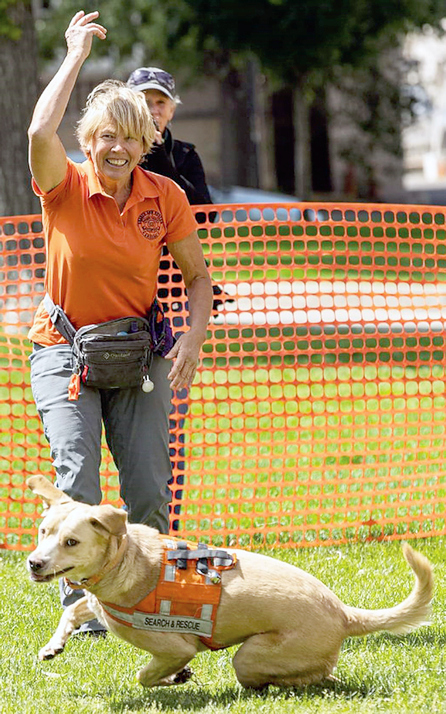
(111,101)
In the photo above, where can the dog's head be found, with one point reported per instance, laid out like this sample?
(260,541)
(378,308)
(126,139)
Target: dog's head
(74,538)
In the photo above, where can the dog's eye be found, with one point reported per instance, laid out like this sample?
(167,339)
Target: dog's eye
(42,531)
(70,542)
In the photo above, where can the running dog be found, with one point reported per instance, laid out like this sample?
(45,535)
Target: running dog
(175,599)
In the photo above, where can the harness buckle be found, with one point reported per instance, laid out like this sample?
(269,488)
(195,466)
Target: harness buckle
(181,558)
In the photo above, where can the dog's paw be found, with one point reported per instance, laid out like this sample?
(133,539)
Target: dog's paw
(178,678)
(50,650)
(182,676)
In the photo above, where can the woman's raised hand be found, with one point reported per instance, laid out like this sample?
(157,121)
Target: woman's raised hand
(81,30)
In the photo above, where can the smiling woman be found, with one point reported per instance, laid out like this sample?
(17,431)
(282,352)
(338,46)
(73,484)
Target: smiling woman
(106,223)
(115,131)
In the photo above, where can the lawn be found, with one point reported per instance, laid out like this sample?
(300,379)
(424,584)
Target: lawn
(380,673)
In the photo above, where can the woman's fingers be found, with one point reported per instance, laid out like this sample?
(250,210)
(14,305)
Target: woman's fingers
(81,19)
(76,17)
(182,372)
(159,138)
(183,376)
(81,30)
(185,353)
(81,16)
(99,30)
(89,16)
(183,379)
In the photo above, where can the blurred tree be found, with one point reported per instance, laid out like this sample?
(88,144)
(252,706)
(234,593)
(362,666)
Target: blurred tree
(141,29)
(377,102)
(18,93)
(301,43)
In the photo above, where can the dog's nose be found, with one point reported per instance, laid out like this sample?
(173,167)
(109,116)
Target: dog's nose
(35,564)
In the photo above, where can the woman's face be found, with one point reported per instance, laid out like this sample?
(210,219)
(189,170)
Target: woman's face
(161,107)
(114,153)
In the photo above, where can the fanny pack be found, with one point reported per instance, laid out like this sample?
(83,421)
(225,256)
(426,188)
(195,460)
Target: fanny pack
(114,354)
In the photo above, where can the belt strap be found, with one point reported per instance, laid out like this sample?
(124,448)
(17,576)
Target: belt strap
(59,319)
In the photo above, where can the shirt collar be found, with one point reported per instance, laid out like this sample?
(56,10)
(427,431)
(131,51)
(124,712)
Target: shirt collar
(142,187)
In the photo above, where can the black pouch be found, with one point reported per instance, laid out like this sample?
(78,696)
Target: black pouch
(113,354)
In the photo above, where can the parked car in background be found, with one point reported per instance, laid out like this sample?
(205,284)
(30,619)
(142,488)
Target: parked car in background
(244,194)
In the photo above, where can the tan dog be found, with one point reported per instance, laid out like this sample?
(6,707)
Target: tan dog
(291,625)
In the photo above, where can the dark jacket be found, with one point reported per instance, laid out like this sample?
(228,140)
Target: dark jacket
(179,161)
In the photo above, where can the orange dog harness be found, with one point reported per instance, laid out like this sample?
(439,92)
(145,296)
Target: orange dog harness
(186,596)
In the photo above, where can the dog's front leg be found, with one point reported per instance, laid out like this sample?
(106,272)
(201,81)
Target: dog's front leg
(72,617)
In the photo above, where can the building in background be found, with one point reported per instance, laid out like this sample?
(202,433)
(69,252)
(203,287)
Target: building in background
(424,142)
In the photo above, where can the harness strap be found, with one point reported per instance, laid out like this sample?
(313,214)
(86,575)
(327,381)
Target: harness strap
(59,319)
(201,624)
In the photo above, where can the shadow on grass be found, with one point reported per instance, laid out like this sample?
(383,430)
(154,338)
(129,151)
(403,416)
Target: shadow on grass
(177,699)
(427,636)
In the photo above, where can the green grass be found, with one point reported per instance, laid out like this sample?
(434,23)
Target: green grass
(380,673)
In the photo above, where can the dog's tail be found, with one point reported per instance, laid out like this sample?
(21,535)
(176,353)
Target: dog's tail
(411,613)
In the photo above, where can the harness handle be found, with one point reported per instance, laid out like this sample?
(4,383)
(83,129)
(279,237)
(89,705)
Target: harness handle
(221,558)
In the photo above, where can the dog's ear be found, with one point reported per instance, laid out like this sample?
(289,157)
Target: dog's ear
(49,494)
(108,518)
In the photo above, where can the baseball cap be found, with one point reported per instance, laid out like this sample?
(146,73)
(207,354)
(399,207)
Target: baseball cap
(152,78)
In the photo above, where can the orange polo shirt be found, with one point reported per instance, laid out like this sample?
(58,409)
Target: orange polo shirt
(102,264)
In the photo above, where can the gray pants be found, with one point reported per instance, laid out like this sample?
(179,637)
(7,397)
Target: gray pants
(136,428)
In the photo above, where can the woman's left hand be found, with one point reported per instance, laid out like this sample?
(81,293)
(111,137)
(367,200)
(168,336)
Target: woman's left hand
(185,354)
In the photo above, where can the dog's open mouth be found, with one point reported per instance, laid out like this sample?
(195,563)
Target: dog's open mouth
(39,578)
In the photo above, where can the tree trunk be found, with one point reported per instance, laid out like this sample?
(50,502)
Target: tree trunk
(239,133)
(252,157)
(321,181)
(283,121)
(18,93)
(302,144)
(229,125)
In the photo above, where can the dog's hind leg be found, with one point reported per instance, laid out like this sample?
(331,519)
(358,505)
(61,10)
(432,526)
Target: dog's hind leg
(72,617)
(167,668)
(275,658)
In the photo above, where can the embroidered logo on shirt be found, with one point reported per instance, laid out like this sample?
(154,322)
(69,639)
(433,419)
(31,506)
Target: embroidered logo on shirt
(150,224)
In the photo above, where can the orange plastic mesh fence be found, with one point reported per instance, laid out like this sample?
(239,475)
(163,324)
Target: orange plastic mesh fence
(318,412)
